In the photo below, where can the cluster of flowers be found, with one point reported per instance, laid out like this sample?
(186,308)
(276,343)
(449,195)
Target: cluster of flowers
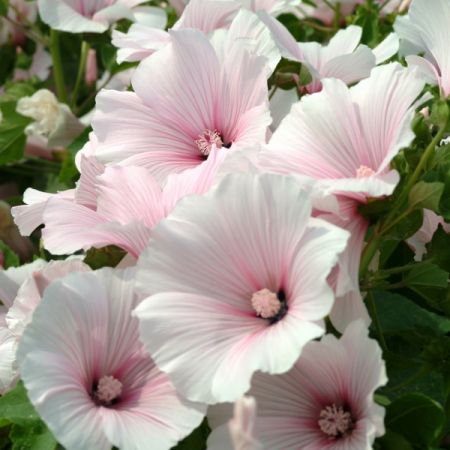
(239,216)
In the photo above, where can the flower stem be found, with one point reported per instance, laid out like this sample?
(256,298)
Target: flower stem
(58,73)
(81,71)
(376,320)
(392,219)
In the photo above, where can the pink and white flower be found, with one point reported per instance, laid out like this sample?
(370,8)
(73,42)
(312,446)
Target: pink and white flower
(112,206)
(20,293)
(324,402)
(345,139)
(237,283)
(225,22)
(95,16)
(343,58)
(98,386)
(425,30)
(186,100)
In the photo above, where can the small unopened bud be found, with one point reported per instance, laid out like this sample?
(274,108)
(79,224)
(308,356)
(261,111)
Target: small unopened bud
(91,68)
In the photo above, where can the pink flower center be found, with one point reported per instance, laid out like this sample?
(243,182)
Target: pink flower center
(335,421)
(364,172)
(269,305)
(206,140)
(108,389)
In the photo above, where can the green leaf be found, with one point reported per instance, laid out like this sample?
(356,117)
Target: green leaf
(12,136)
(406,227)
(32,436)
(10,259)
(438,249)
(426,274)
(439,113)
(426,195)
(392,441)
(399,314)
(4,7)
(15,406)
(417,418)
(7,57)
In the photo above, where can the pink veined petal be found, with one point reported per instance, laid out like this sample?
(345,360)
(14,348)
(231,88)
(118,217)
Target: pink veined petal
(70,227)
(319,136)
(61,16)
(350,67)
(386,48)
(139,136)
(12,279)
(160,415)
(348,308)
(343,42)
(385,108)
(30,292)
(127,194)
(426,69)
(249,32)
(139,42)
(192,181)
(30,216)
(286,43)
(112,14)
(150,16)
(85,193)
(432,20)
(244,118)
(8,345)
(207,15)
(186,98)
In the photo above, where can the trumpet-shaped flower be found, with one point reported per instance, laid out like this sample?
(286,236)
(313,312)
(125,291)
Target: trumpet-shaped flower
(98,386)
(95,16)
(346,138)
(325,402)
(237,283)
(21,292)
(425,30)
(185,102)
(112,206)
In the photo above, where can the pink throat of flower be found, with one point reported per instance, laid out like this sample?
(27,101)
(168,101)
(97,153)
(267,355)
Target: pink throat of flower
(206,140)
(108,389)
(266,303)
(364,172)
(335,421)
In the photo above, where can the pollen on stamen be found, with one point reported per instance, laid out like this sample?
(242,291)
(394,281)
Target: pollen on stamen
(266,303)
(206,140)
(108,389)
(364,172)
(335,421)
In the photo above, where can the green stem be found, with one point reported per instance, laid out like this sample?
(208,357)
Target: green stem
(58,73)
(81,71)
(368,253)
(376,321)
(391,219)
